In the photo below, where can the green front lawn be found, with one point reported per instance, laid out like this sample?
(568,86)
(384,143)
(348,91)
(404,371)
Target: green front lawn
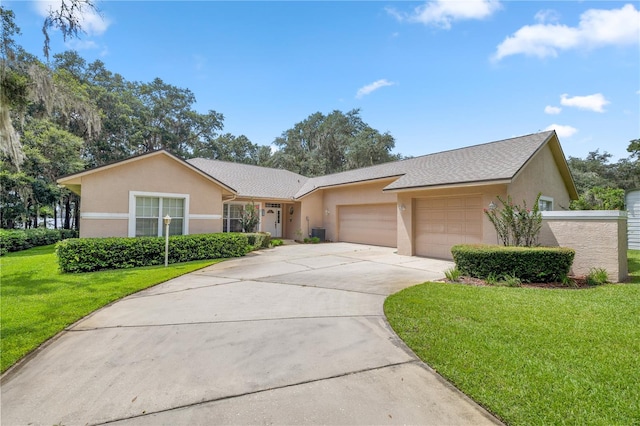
(37,301)
(531,356)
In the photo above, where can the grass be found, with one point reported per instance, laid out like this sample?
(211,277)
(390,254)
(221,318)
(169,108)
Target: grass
(532,356)
(37,301)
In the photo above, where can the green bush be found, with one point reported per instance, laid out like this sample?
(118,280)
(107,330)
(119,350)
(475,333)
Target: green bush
(276,243)
(93,254)
(597,276)
(452,274)
(258,240)
(529,264)
(22,239)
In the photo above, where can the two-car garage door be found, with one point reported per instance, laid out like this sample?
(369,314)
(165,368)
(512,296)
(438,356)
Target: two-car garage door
(439,223)
(374,224)
(442,222)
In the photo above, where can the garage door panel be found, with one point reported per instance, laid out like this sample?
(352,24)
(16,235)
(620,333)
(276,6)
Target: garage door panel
(456,228)
(453,203)
(374,224)
(454,215)
(443,222)
(474,202)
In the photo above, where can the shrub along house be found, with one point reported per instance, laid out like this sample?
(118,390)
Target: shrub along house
(422,205)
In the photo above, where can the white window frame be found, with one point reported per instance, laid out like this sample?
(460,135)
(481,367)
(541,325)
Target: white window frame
(548,199)
(241,203)
(132,210)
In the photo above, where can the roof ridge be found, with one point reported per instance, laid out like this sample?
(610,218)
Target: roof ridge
(246,165)
(431,154)
(478,145)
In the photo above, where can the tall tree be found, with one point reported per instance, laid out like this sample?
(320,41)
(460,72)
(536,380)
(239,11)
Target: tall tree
(31,87)
(594,170)
(13,88)
(168,121)
(602,184)
(634,148)
(227,147)
(321,145)
(67,18)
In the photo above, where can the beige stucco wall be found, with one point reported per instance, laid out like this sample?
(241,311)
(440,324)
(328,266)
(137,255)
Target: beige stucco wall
(293,222)
(103,228)
(540,175)
(406,218)
(363,193)
(106,192)
(311,208)
(598,237)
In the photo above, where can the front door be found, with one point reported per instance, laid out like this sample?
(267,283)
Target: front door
(272,221)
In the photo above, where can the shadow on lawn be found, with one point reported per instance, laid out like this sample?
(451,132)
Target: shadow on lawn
(634,266)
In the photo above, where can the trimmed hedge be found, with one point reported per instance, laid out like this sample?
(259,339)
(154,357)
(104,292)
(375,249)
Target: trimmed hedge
(22,239)
(529,264)
(94,254)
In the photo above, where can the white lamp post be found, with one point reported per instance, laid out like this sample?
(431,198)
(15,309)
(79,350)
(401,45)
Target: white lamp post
(167,221)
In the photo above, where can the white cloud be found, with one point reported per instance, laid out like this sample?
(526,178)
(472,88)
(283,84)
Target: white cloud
(373,87)
(91,22)
(595,102)
(597,27)
(563,131)
(552,110)
(75,44)
(547,15)
(442,13)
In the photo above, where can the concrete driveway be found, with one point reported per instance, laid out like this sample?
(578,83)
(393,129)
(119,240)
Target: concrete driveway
(291,335)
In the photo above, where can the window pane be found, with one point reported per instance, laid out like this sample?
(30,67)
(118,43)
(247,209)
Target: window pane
(173,207)
(175,227)
(146,227)
(545,205)
(235,211)
(235,225)
(147,206)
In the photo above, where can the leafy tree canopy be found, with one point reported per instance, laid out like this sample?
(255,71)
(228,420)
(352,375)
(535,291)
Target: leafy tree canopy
(602,184)
(323,144)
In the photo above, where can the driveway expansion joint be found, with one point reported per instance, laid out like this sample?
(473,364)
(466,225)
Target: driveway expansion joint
(259,391)
(322,287)
(182,324)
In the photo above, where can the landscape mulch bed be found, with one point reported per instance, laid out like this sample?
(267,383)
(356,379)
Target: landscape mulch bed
(577,283)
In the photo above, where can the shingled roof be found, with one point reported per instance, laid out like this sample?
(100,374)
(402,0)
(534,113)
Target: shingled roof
(252,181)
(498,161)
(490,162)
(494,161)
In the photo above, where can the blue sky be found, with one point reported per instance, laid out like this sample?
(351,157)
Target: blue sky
(437,75)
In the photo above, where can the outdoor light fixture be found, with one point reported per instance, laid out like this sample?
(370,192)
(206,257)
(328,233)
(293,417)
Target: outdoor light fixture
(326,212)
(402,207)
(492,206)
(167,221)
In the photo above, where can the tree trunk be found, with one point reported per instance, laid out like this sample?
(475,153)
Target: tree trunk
(55,214)
(76,224)
(67,213)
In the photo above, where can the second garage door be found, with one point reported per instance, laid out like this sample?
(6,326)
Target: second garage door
(442,222)
(374,224)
